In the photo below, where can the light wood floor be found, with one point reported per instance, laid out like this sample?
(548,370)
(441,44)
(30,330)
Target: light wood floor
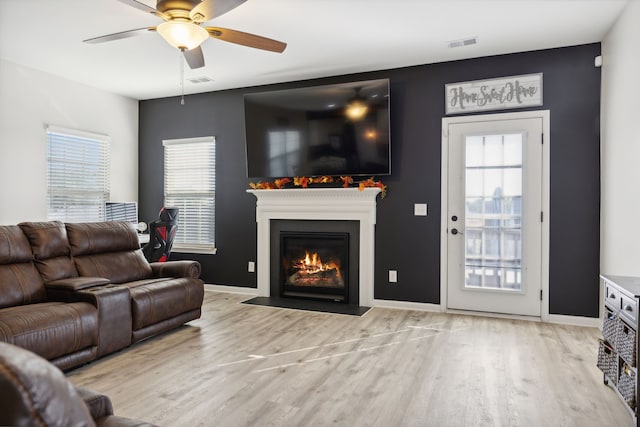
(245,365)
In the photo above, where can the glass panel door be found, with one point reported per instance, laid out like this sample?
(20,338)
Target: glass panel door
(493,211)
(493,224)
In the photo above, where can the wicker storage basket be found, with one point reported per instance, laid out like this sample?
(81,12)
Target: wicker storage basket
(626,343)
(627,385)
(608,361)
(610,326)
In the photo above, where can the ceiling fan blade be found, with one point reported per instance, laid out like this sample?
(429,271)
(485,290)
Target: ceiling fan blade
(209,9)
(120,35)
(145,8)
(138,5)
(246,39)
(194,57)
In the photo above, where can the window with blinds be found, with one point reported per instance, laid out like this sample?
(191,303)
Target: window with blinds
(190,185)
(77,175)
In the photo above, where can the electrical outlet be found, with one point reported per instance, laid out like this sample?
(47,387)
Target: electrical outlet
(393,276)
(252,267)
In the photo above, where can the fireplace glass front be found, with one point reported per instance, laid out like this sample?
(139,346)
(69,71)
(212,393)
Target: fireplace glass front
(314,265)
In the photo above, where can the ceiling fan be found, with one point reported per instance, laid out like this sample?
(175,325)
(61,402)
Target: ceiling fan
(183,27)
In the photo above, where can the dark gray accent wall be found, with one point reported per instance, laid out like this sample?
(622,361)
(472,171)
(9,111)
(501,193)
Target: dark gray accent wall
(404,242)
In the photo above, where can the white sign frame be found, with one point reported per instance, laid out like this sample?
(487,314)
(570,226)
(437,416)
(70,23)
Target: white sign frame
(503,93)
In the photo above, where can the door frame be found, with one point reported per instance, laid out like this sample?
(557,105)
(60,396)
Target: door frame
(444,174)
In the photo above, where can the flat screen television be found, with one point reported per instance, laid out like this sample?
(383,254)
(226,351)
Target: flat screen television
(335,130)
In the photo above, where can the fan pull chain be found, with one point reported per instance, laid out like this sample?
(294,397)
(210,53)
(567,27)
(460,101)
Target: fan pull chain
(181,77)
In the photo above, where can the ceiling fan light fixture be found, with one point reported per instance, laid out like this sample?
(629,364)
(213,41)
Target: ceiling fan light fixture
(182,35)
(356,109)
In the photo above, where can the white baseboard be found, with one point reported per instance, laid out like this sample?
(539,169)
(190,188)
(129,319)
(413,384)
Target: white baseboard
(551,318)
(406,305)
(494,315)
(231,289)
(592,322)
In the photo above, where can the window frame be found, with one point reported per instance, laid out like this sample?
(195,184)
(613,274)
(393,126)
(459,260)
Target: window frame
(209,197)
(78,169)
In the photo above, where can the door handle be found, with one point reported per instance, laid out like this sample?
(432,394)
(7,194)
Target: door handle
(455,231)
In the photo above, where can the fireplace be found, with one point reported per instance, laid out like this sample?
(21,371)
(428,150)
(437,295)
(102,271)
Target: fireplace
(314,265)
(332,210)
(315,259)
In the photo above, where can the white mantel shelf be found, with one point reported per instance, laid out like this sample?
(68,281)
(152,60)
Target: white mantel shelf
(349,195)
(348,204)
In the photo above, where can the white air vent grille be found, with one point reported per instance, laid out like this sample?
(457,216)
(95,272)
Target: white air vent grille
(197,80)
(462,42)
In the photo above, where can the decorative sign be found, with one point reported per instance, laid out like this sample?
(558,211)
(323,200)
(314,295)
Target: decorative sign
(495,94)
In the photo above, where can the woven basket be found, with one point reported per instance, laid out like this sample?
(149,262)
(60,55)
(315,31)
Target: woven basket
(626,343)
(627,385)
(610,327)
(608,361)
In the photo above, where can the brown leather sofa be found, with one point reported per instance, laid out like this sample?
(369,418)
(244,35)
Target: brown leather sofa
(33,392)
(74,292)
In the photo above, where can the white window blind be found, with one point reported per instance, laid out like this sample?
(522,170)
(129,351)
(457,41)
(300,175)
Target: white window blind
(77,175)
(190,185)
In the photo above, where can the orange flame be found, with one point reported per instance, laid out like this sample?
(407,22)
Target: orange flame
(312,264)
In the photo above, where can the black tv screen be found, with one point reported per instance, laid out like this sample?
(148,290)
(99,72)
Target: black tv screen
(336,130)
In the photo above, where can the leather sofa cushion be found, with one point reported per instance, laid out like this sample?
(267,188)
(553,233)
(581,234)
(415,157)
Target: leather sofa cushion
(101,237)
(118,267)
(14,246)
(155,300)
(34,392)
(57,268)
(20,284)
(108,249)
(50,329)
(47,239)
(50,248)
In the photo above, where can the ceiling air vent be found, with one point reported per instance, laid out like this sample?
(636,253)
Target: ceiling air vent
(197,80)
(462,42)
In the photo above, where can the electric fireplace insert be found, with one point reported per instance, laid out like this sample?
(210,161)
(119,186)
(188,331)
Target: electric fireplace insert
(314,265)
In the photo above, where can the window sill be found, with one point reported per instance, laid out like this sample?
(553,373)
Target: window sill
(188,250)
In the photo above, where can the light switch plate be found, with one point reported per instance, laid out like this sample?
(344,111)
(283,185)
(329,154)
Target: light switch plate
(420,209)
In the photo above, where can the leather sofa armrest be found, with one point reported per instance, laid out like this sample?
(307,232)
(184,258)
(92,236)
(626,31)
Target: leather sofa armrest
(185,268)
(116,421)
(101,410)
(76,283)
(99,405)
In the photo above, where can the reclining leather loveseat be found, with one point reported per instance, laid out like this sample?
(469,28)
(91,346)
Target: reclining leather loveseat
(74,292)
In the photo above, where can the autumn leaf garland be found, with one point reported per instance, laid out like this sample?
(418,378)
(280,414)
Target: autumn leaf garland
(304,182)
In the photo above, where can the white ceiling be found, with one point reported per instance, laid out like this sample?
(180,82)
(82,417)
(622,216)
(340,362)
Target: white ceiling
(325,38)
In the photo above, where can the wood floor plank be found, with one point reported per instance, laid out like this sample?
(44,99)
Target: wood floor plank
(246,365)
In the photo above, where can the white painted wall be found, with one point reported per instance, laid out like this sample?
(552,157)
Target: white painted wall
(29,101)
(620,201)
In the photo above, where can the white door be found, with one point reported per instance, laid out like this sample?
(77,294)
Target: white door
(494,216)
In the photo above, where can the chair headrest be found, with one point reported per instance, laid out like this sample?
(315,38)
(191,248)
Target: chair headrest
(169,214)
